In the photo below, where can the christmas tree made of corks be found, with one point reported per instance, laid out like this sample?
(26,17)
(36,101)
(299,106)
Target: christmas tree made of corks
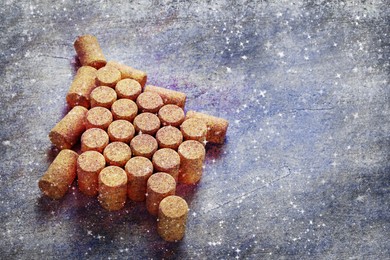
(136,140)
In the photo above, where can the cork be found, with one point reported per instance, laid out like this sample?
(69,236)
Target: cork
(103,96)
(169,137)
(149,102)
(125,109)
(167,160)
(107,76)
(81,87)
(138,170)
(216,126)
(172,218)
(194,129)
(112,188)
(192,155)
(117,153)
(89,165)
(146,123)
(128,88)
(169,96)
(60,175)
(67,132)
(89,52)
(171,115)
(121,131)
(159,186)
(98,117)
(129,72)
(143,145)
(94,139)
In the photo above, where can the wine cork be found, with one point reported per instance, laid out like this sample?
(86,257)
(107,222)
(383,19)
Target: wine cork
(60,175)
(216,126)
(143,145)
(159,186)
(172,218)
(94,139)
(81,87)
(121,131)
(89,52)
(128,88)
(129,72)
(117,153)
(98,117)
(149,102)
(169,96)
(171,115)
(112,188)
(169,137)
(146,123)
(167,160)
(108,76)
(125,109)
(67,132)
(138,170)
(194,129)
(192,155)
(89,165)
(103,96)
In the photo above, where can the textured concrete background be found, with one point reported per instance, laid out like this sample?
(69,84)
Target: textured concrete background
(304,172)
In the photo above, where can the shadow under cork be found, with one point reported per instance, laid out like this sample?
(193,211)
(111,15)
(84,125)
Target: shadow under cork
(215,151)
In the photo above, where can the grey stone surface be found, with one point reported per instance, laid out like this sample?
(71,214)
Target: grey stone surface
(304,172)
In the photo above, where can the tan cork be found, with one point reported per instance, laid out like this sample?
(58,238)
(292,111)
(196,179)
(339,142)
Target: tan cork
(143,145)
(98,117)
(60,174)
(149,102)
(89,52)
(138,171)
(129,72)
(159,186)
(169,96)
(81,87)
(169,137)
(121,131)
(167,160)
(194,129)
(103,96)
(125,109)
(89,165)
(94,139)
(216,126)
(171,115)
(128,88)
(192,154)
(117,153)
(112,188)
(67,132)
(146,123)
(172,218)
(107,76)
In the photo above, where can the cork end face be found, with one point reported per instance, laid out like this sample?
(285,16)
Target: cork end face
(192,150)
(50,189)
(161,183)
(59,141)
(173,207)
(138,167)
(113,176)
(166,159)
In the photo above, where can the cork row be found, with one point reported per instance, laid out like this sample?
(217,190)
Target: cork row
(137,142)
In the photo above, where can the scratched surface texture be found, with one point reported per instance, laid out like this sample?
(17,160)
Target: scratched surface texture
(304,172)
